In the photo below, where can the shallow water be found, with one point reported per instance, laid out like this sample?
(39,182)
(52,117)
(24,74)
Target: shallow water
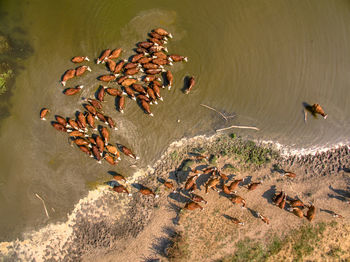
(257,59)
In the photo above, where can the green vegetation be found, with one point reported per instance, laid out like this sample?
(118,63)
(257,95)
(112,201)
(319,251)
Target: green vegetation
(247,152)
(174,155)
(303,242)
(306,238)
(4,44)
(213,160)
(4,77)
(186,166)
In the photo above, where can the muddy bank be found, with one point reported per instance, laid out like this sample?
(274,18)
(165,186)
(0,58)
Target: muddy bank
(106,225)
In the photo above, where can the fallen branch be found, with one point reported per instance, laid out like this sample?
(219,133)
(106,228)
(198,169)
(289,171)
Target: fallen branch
(242,127)
(225,117)
(47,214)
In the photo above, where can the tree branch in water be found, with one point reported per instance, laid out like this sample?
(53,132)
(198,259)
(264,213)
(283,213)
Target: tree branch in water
(242,127)
(225,117)
(47,214)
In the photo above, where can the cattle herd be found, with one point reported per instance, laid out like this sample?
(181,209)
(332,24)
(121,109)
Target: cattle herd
(151,57)
(219,182)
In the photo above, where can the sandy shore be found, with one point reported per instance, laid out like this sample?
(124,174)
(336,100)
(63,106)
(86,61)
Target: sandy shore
(113,227)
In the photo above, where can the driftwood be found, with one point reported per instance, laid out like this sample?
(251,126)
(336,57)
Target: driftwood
(242,127)
(225,117)
(47,214)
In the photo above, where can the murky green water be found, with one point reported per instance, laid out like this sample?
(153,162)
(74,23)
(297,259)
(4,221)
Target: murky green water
(258,59)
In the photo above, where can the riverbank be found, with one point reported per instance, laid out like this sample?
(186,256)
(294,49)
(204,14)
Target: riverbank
(106,226)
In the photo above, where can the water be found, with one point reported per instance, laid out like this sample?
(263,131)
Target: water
(257,59)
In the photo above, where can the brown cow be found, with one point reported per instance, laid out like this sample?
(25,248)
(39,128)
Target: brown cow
(100,144)
(170,79)
(59,127)
(72,91)
(198,199)
(119,177)
(43,113)
(61,120)
(162,32)
(79,59)
(69,74)
(146,107)
(110,159)
(111,123)
(253,186)
(105,134)
(121,104)
(128,152)
(238,200)
(107,78)
(147,192)
(234,185)
(121,189)
(310,215)
(192,206)
(113,150)
(115,53)
(191,84)
(136,58)
(95,103)
(103,56)
(317,109)
(111,65)
(114,91)
(212,184)
(263,218)
(177,58)
(119,67)
(81,70)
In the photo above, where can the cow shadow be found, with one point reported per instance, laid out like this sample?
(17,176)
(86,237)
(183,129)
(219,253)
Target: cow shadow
(186,84)
(308,108)
(268,194)
(341,192)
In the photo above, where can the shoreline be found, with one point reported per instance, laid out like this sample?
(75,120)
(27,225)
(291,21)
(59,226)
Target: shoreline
(99,222)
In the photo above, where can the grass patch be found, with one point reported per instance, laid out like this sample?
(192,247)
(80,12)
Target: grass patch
(186,165)
(213,160)
(174,155)
(303,242)
(306,238)
(4,77)
(178,249)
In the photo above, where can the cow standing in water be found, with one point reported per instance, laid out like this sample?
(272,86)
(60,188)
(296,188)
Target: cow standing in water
(69,74)
(80,59)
